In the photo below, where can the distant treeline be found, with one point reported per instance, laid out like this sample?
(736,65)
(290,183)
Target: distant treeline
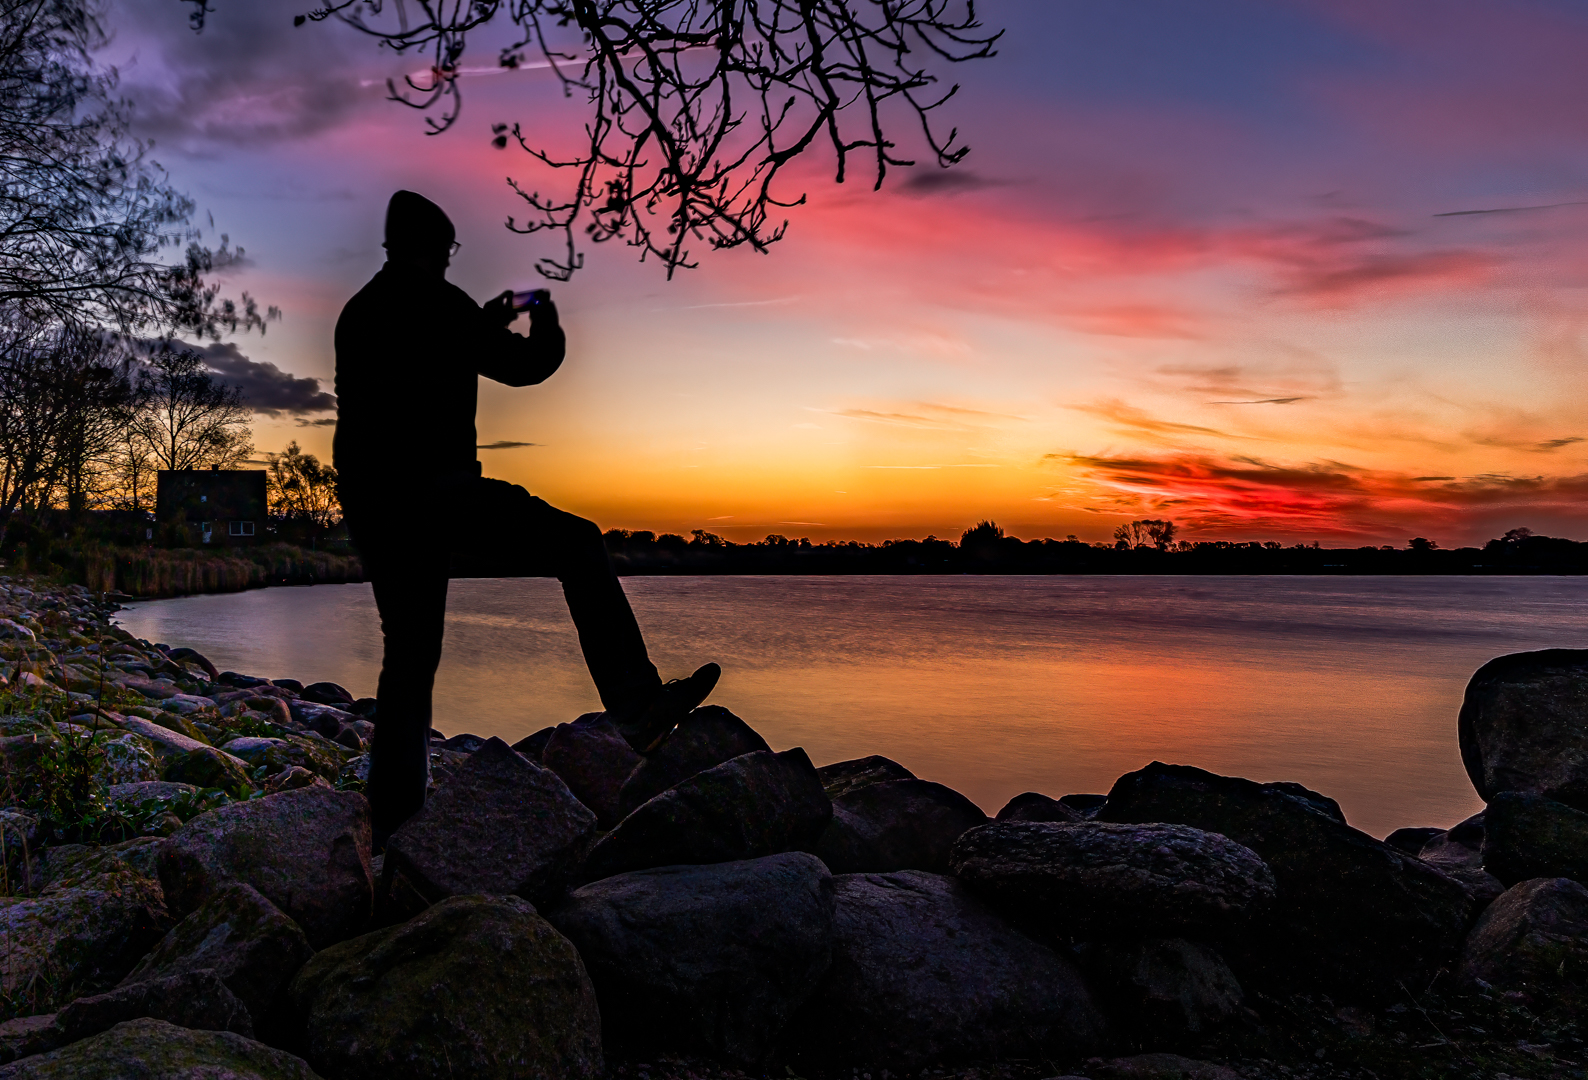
(986,550)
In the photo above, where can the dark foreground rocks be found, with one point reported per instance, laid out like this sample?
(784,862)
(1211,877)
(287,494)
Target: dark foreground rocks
(501,825)
(241,938)
(842,777)
(712,959)
(81,935)
(1524,726)
(190,999)
(924,972)
(1034,806)
(307,851)
(1163,991)
(476,986)
(896,825)
(753,805)
(1530,836)
(156,1050)
(706,738)
(593,759)
(1087,878)
(1535,936)
(1350,913)
(1184,924)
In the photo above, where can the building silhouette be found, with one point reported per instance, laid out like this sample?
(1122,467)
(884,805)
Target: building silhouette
(218,507)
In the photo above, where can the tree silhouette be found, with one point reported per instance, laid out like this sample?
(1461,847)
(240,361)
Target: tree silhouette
(62,391)
(1147,532)
(695,105)
(185,418)
(301,489)
(83,213)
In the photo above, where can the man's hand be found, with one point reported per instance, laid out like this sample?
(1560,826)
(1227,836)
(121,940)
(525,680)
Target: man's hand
(499,309)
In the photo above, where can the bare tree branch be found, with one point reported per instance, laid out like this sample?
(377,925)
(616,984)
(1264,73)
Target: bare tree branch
(695,105)
(84,214)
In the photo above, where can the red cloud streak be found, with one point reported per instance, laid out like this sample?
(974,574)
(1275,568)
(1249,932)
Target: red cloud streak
(1250,496)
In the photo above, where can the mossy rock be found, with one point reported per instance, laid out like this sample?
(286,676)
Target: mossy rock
(180,724)
(126,759)
(155,1050)
(94,919)
(280,754)
(207,767)
(482,983)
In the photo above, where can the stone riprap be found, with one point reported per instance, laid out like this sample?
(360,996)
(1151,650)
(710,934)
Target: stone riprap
(176,841)
(1086,878)
(711,958)
(896,825)
(502,825)
(476,986)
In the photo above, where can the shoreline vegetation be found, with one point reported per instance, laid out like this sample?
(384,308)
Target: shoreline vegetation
(155,571)
(187,883)
(1142,547)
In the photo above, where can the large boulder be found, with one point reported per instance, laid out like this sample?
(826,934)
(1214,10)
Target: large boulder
(501,825)
(1162,1066)
(81,934)
(1524,726)
(155,1050)
(1034,806)
(924,974)
(1350,914)
(1092,877)
(593,759)
(1530,836)
(705,738)
(475,986)
(307,851)
(534,745)
(207,767)
(1162,990)
(704,958)
(242,938)
(1458,854)
(842,777)
(896,825)
(210,767)
(192,999)
(167,744)
(753,805)
(280,754)
(70,866)
(1535,936)
(1412,840)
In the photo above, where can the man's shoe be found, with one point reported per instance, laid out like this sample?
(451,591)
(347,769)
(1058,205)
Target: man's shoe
(672,703)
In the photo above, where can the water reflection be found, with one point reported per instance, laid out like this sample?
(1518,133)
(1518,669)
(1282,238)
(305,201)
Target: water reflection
(991,685)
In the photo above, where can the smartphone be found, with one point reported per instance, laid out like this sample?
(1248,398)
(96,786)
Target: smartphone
(523,301)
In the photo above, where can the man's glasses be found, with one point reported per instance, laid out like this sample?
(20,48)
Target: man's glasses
(453,250)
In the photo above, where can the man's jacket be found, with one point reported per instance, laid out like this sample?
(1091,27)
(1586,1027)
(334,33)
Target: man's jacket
(408,349)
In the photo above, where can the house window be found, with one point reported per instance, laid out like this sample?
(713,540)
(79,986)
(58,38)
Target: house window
(241,528)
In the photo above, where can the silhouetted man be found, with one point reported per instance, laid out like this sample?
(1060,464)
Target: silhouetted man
(409,347)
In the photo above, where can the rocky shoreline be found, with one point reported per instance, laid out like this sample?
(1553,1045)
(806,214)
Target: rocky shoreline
(187,889)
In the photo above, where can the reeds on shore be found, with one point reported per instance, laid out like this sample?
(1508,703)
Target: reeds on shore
(150,573)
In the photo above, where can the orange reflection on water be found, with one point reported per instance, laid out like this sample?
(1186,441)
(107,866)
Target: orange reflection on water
(990,685)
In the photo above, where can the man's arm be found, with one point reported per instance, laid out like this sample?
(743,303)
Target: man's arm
(516,359)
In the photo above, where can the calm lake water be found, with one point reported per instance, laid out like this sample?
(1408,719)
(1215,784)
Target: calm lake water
(992,685)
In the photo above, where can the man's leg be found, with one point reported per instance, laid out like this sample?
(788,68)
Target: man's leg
(554,543)
(413,608)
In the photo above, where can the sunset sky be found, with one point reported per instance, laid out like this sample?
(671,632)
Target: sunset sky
(1301,271)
